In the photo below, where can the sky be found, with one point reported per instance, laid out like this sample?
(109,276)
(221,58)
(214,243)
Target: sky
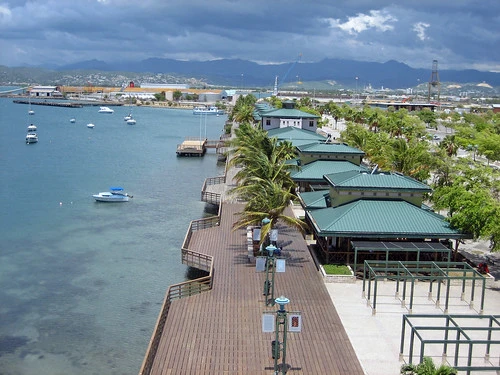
(460,34)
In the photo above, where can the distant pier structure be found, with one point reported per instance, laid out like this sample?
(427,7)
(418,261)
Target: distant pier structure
(192,147)
(20,90)
(198,146)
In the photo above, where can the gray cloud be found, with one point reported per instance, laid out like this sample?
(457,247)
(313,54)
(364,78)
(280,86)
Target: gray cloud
(460,34)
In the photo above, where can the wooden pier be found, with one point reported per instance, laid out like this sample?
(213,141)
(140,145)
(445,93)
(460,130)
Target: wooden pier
(213,325)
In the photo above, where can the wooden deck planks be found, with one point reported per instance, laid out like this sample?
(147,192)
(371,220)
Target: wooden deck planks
(220,332)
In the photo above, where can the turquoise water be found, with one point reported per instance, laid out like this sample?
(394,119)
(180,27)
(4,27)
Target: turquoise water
(83,282)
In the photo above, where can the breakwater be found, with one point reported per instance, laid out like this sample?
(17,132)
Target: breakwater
(66,104)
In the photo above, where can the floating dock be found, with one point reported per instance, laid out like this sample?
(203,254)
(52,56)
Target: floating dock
(198,147)
(192,147)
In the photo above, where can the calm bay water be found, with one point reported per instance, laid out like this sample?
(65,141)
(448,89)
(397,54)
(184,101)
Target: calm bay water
(82,282)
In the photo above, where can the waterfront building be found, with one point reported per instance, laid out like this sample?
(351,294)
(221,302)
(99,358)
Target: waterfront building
(287,116)
(45,92)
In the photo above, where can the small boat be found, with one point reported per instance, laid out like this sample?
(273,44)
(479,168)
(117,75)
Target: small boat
(31,112)
(31,138)
(115,194)
(210,110)
(31,128)
(126,118)
(72,120)
(131,121)
(106,110)
(91,126)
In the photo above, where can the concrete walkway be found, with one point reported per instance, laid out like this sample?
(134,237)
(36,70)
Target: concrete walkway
(377,338)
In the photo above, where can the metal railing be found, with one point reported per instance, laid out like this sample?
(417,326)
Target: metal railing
(176,291)
(471,338)
(185,289)
(211,197)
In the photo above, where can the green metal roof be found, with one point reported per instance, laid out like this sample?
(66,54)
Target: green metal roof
(377,218)
(315,170)
(329,148)
(314,200)
(291,133)
(286,113)
(352,180)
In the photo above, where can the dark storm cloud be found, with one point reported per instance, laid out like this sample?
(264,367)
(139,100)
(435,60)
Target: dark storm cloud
(460,34)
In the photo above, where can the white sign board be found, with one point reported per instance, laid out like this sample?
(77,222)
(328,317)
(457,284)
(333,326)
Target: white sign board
(256,234)
(280,265)
(268,322)
(260,264)
(273,235)
(294,322)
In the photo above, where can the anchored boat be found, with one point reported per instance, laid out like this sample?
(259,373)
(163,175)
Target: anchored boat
(115,194)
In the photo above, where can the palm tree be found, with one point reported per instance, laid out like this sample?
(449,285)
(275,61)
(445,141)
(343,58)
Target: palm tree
(267,199)
(243,109)
(450,145)
(264,180)
(411,158)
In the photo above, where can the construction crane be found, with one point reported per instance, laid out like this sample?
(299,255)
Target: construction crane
(276,85)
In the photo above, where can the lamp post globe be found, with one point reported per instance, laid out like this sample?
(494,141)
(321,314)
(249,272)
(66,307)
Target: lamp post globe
(282,301)
(271,249)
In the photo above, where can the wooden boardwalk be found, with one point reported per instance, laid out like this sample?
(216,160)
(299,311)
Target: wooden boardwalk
(220,331)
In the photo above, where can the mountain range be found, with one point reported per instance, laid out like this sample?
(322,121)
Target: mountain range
(243,73)
(389,74)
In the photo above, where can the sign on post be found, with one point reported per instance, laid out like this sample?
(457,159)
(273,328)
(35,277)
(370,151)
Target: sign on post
(260,264)
(273,236)
(294,322)
(268,322)
(280,265)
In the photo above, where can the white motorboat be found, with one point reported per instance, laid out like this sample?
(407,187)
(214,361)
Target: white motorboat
(211,110)
(115,194)
(91,126)
(126,118)
(31,128)
(131,121)
(31,138)
(31,112)
(72,120)
(106,110)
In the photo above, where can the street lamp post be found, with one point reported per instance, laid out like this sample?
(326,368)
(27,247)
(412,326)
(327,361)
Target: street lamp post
(279,347)
(270,272)
(356,94)
(264,242)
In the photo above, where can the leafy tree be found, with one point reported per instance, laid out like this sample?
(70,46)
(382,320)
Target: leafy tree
(411,158)
(428,117)
(160,96)
(275,102)
(469,194)
(177,95)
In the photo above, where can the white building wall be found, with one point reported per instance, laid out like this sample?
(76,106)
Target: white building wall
(299,123)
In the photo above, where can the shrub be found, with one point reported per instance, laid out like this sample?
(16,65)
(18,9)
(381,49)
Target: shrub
(335,269)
